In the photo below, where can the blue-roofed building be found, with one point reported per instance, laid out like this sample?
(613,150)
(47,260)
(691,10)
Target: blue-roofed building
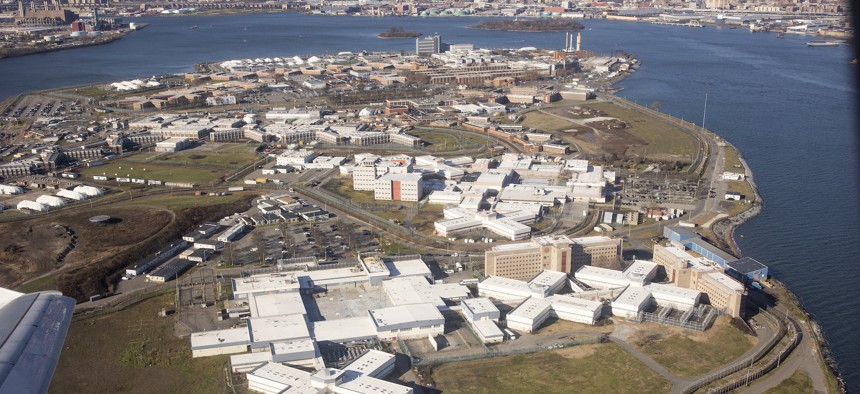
(679,234)
(747,270)
(709,251)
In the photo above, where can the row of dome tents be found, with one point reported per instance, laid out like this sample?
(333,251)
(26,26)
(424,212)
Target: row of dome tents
(46,202)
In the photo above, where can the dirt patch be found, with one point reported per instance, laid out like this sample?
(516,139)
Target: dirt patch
(575,352)
(30,249)
(35,247)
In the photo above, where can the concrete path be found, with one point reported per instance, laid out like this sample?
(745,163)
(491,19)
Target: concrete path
(804,359)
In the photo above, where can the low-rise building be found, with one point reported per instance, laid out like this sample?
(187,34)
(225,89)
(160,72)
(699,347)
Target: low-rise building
(529,315)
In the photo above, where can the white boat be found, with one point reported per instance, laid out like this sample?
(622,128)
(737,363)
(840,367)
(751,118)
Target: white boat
(822,44)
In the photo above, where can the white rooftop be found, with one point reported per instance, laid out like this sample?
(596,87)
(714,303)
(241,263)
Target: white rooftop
(549,278)
(265,305)
(727,282)
(265,283)
(530,309)
(287,379)
(278,328)
(487,328)
(219,338)
(367,384)
(633,296)
(412,267)
(344,330)
(406,315)
(295,346)
(370,363)
(480,305)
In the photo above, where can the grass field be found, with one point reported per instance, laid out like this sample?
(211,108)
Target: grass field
(540,121)
(798,382)
(447,140)
(580,369)
(181,199)
(732,160)
(134,351)
(665,142)
(200,165)
(746,190)
(688,353)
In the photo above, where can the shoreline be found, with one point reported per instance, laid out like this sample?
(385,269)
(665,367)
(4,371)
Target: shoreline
(724,231)
(36,51)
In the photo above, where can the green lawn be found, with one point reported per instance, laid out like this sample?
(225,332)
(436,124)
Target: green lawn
(798,382)
(181,199)
(580,369)
(447,140)
(665,141)
(685,356)
(542,121)
(732,160)
(44,283)
(200,165)
(134,351)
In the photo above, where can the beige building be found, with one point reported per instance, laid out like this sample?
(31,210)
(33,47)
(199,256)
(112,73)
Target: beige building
(699,273)
(597,251)
(523,261)
(724,292)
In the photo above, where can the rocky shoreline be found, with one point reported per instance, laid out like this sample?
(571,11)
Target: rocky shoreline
(724,232)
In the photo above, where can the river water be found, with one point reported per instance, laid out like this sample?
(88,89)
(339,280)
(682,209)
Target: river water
(787,107)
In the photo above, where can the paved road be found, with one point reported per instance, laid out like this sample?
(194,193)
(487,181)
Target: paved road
(804,358)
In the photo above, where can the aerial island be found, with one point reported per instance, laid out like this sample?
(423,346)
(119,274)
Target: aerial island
(558,24)
(385,222)
(398,32)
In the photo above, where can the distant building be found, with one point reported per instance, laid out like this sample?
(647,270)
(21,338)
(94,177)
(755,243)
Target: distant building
(428,45)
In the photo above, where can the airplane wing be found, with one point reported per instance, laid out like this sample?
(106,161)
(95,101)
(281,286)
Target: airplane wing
(33,328)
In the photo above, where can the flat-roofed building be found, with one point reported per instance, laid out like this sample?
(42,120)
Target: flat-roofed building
(487,331)
(526,260)
(274,378)
(267,330)
(408,266)
(367,384)
(480,309)
(529,315)
(246,362)
(375,268)
(407,321)
(416,290)
(597,251)
(173,144)
(512,289)
(510,225)
(601,278)
(213,343)
(243,287)
(747,270)
(673,296)
(373,363)
(299,352)
(724,292)
(575,309)
(346,330)
(276,304)
(631,302)
(640,272)
(399,187)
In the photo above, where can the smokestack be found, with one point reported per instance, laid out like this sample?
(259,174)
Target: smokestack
(578,41)
(566,40)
